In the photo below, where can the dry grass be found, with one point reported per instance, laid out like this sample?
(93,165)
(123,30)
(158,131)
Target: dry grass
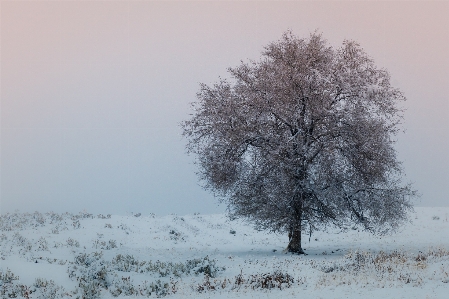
(384,269)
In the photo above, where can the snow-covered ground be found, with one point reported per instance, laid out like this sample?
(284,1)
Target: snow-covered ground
(207,256)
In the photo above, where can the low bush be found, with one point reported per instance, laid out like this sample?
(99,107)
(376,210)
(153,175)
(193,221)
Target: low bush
(277,279)
(10,287)
(91,273)
(44,289)
(127,263)
(379,269)
(97,244)
(72,243)
(94,274)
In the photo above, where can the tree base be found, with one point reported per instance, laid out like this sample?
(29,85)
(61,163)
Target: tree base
(295,251)
(294,244)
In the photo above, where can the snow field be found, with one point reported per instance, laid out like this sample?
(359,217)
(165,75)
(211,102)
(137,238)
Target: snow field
(50,255)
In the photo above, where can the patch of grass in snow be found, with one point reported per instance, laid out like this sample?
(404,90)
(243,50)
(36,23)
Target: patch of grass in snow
(382,269)
(22,221)
(98,244)
(101,216)
(72,243)
(47,289)
(10,286)
(176,235)
(127,263)
(278,279)
(95,274)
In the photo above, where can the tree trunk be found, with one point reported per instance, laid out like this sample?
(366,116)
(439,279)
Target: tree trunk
(294,246)
(294,234)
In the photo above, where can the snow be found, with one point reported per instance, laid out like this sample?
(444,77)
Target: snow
(411,263)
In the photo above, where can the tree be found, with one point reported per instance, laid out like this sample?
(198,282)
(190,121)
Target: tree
(303,139)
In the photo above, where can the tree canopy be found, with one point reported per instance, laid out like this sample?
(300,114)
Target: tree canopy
(303,138)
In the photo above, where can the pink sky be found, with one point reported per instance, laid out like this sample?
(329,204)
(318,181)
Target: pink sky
(92,92)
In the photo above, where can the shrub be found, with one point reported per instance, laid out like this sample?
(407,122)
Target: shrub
(42,244)
(204,266)
(380,269)
(277,279)
(76,224)
(97,244)
(10,287)
(23,242)
(176,236)
(127,263)
(45,289)
(7,277)
(123,286)
(91,272)
(159,288)
(94,274)
(72,243)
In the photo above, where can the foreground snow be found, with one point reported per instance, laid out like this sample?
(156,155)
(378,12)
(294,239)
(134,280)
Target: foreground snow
(206,256)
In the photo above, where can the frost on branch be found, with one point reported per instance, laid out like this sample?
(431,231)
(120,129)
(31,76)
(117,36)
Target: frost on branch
(302,139)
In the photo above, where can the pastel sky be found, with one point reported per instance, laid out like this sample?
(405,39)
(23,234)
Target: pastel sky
(92,92)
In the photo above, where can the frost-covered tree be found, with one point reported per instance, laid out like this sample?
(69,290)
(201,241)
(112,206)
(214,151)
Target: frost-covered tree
(302,139)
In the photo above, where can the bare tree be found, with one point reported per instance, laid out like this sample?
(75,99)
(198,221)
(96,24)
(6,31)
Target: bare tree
(303,139)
